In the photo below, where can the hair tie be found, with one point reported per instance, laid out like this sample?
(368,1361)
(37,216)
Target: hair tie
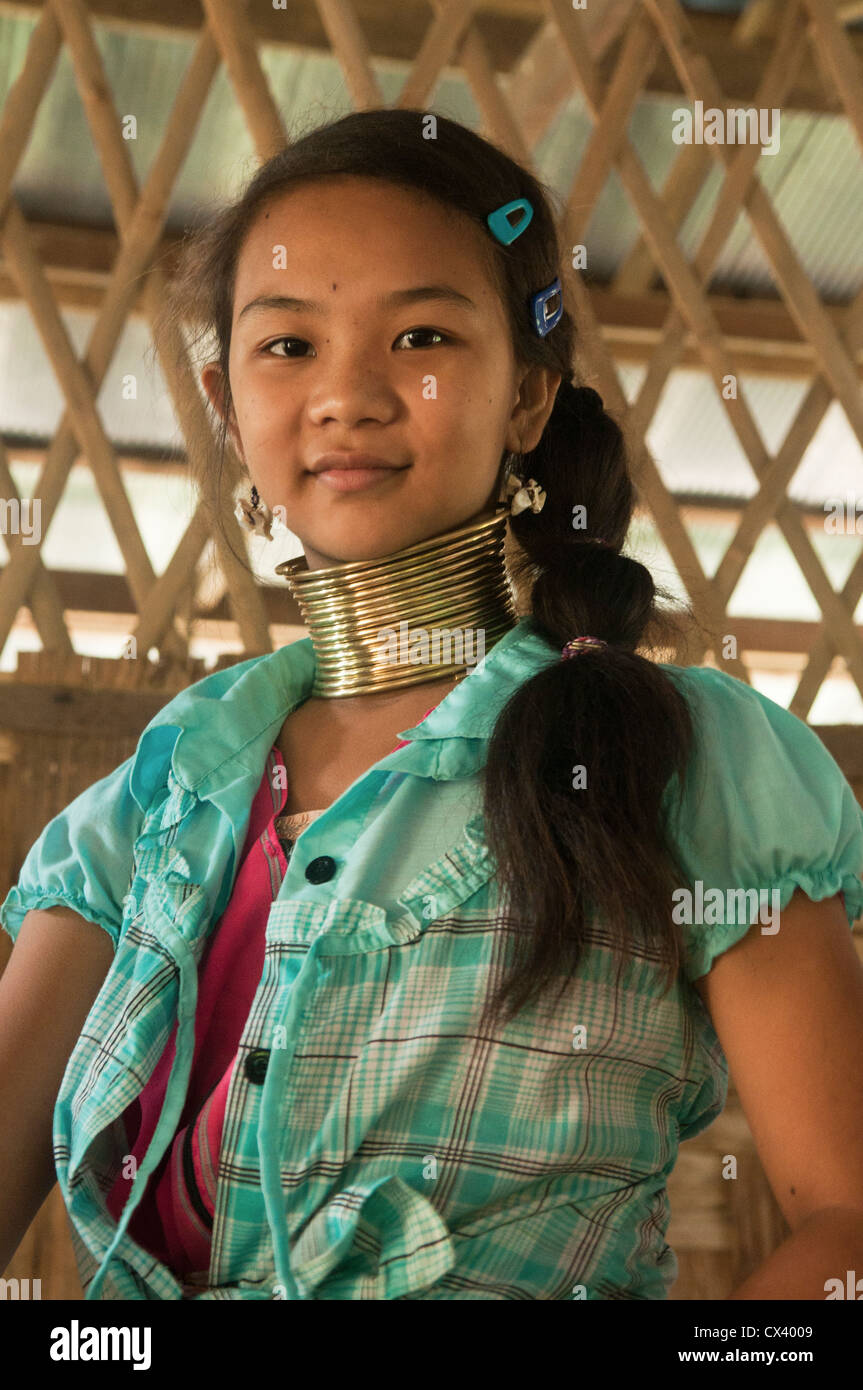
(581,644)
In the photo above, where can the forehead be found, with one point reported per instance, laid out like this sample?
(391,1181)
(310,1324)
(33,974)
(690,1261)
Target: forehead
(353,232)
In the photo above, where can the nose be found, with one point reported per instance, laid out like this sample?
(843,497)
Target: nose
(350,388)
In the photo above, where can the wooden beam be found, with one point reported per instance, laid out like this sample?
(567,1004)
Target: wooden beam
(782,636)
(758,21)
(760,334)
(88,592)
(395,33)
(845,743)
(391,31)
(31,710)
(154,462)
(105,600)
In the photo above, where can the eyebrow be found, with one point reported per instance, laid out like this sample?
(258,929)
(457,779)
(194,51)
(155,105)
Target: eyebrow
(397,298)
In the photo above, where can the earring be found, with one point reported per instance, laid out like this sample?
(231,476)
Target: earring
(524,494)
(255,516)
(517,495)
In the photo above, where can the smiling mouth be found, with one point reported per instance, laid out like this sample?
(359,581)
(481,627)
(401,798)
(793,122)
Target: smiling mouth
(355,479)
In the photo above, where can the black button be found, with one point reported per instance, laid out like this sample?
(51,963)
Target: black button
(256,1065)
(320,869)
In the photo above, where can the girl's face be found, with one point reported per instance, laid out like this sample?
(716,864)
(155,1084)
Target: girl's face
(400,348)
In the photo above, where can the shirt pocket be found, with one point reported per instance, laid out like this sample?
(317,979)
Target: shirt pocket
(451,881)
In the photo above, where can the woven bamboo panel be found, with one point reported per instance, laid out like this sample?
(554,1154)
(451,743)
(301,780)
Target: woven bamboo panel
(720,1229)
(607,53)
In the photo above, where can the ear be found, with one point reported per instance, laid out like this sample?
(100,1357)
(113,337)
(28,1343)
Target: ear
(536,397)
(213,382)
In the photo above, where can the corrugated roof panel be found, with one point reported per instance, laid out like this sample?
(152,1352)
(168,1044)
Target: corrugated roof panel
(816,176)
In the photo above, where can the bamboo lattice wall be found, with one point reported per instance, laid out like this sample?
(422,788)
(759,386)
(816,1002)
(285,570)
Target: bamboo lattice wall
(609,54)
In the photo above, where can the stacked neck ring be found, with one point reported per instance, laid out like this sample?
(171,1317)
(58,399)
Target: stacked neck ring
(442,603)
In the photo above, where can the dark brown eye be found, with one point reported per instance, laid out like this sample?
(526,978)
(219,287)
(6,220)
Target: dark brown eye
(411,332)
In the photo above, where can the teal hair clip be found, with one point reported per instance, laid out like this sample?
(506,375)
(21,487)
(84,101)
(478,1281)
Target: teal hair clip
(501,226)
(543,321)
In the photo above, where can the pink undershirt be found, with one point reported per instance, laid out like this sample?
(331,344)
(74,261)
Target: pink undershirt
(167,1221)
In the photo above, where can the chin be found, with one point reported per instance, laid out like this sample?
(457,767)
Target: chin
(355,548)
(355,554)
(352,548)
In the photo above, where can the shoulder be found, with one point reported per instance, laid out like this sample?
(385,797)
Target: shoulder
(744,729)
(754,764)
(716,692)
(214,686)
(218,715)
(763,808)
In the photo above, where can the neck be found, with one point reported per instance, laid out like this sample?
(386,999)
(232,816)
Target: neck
(425,613)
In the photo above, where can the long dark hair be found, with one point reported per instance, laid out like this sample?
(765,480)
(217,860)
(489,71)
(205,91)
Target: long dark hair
(561,852)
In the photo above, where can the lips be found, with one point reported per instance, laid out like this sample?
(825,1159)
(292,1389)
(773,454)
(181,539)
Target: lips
(353,479)
(343,459)
(343,471)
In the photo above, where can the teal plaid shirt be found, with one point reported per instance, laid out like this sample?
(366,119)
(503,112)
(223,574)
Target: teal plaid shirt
(393,1149)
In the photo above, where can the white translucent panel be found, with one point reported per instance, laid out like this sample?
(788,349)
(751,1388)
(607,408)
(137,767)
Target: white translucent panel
(837,702)
(772,584)
(133,401)
(80,536)
(696,450)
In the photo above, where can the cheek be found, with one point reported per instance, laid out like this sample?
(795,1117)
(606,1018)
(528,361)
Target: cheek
(461,419)
(477,410)
(264,411)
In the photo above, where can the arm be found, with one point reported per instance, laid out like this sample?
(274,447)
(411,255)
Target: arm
(824,1246)
(54,973)
(788,1011)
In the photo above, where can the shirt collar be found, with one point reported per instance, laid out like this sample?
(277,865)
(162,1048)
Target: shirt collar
(470,710)
(224,725)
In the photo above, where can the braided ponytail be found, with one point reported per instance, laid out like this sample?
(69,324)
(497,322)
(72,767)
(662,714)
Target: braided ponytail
(564,853)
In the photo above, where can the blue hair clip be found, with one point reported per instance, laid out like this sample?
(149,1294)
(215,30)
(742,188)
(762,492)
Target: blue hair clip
(500,225)
(544,322)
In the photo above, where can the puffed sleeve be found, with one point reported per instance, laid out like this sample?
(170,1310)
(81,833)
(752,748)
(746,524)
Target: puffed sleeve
(83,858)
(765,807)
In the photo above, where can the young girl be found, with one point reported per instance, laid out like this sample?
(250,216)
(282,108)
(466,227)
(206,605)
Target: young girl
(411,922)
